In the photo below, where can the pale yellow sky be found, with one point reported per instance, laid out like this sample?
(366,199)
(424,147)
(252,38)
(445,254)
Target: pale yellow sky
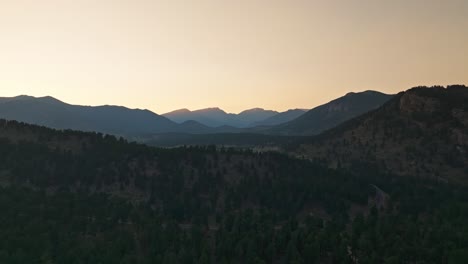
(275,54)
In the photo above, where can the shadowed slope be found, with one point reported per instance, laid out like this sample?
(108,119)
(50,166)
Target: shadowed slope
(421,132)
(332,114)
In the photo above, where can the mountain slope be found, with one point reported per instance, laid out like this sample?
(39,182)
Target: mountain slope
(421,132)
(280,118)
(254,115)
(50,112)
(332,114)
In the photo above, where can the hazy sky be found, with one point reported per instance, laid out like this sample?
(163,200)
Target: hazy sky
(235,54)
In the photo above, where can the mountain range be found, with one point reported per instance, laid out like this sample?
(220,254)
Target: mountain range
(216,117)
(137,123)
(426,126)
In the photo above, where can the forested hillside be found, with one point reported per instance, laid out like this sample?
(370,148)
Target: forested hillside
(422,132)
(65,196)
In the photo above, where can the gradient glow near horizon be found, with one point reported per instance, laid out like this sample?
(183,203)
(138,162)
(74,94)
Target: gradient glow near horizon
(275,54)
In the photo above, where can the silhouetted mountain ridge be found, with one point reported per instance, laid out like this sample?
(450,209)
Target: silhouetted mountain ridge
(50,112)
(136,123)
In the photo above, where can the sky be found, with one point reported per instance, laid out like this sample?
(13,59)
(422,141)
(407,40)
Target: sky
(274,54)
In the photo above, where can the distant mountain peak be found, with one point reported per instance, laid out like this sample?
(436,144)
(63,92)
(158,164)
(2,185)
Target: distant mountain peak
(23,96)
(46,99)
(50,99)
(256,109)
(210,109)
(16,98)
(368,92)
(178,111)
